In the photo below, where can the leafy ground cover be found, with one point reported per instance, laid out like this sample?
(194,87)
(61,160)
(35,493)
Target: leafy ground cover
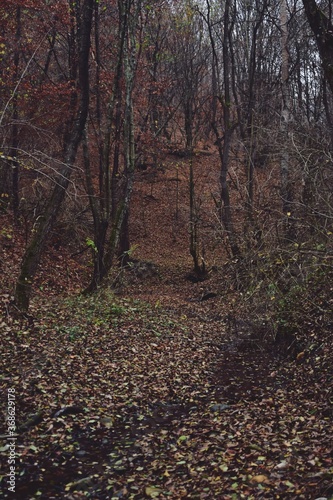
(152,391)
(121,397)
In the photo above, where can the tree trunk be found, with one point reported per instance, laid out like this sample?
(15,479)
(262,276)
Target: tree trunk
(15,128)
(198,261)
(115,186)
(322,28)
(128,22)
(229,128)
(285,119)
(103,202)
(124,240)
(222,95)
(100,222)
(45,222)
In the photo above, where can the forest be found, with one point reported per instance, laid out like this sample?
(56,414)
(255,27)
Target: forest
(166,235)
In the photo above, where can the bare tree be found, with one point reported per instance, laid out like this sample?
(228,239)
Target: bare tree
(224,121)
(110,204)
(285,114)
(43,225)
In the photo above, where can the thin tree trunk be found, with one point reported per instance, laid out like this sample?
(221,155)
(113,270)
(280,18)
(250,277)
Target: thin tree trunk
(124,240)
(226,215)
(45,222)
(100,223)
(223,142)
(120,221)
(120,217)
(106,211)
(194,236)
(286,194)
(249,135)
(15,129)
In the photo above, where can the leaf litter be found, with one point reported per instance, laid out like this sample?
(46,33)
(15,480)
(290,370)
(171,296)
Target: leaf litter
(121,398)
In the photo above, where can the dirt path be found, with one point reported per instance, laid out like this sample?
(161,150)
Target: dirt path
(162,397)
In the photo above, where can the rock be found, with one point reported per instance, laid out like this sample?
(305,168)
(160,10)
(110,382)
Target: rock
(81,453)
(219,407)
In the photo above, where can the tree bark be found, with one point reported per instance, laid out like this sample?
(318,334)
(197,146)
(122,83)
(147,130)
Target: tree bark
(115,186)
(229,128)
(103,202)
(285,119)
(130,12)
(198,261)
(45,222)
(322,28)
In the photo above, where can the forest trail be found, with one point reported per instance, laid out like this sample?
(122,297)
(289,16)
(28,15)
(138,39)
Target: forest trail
(201,136)
(152,393)
(144,390)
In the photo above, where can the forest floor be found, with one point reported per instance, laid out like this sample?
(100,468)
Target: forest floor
(147,389)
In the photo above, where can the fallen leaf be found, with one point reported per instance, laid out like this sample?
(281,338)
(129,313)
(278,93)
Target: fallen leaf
(261,478)
(153,491)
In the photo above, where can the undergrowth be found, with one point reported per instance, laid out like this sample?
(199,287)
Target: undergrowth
(288,294)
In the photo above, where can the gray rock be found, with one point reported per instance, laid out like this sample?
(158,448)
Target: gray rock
(219,407)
